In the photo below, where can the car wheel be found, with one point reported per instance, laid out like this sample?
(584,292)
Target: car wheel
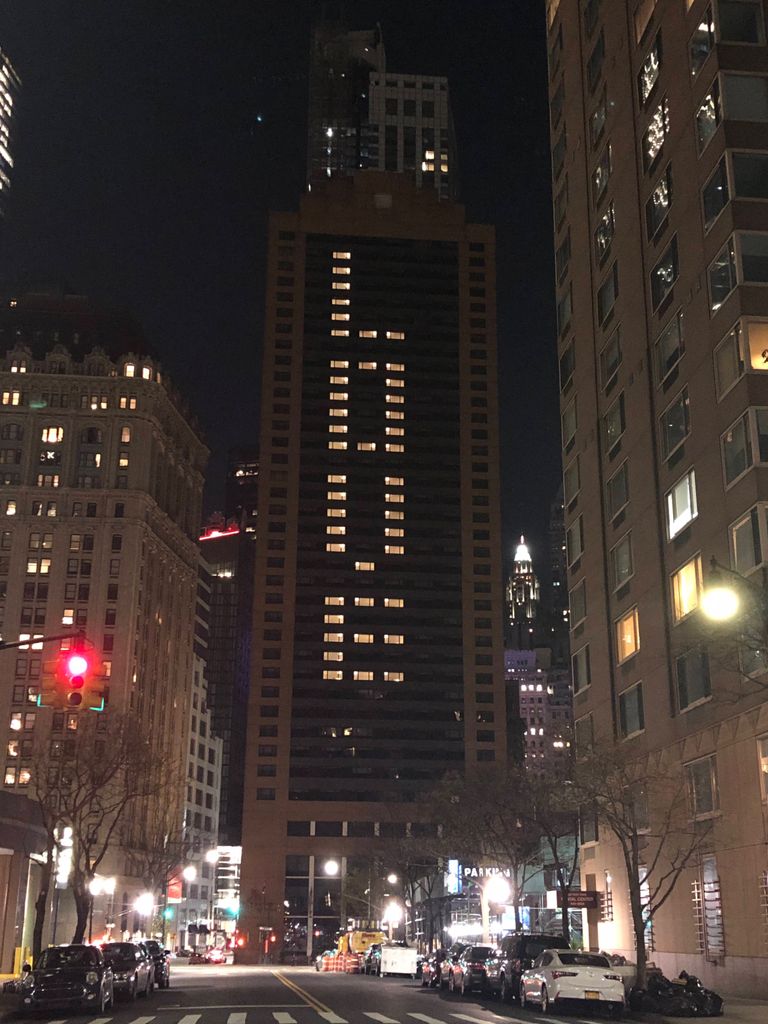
(546,1004)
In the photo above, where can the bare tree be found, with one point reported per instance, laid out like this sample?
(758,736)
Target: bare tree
(552,806)
(156,841)
(45,791)
(643,803)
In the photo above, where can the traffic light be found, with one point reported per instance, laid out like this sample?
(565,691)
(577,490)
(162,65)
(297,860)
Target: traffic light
(71,682)
(76,668)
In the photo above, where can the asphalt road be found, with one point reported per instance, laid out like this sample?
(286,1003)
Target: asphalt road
(230,994)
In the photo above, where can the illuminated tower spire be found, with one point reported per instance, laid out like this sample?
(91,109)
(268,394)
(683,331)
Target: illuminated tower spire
(522,597)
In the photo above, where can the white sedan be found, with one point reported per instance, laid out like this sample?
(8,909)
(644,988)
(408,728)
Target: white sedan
(560,976)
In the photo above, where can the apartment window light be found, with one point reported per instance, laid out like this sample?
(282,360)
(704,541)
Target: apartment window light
(336,547)
(394,549)
(394,481)
(393,677)
(338,396)
(394,638)
(334,600)
(333,620)
(337,445)
(340,302)
(396,335)
(394,602)
(342,270)
(340,316)
(362,676)
(336,530)
(340,413)
(395,399)
(334,674)
(338,428)
(687,584)
(336,513)
(391,513)
(367,334)
(393,531)
(341,286)
(333,656)
(394,447)
(394,497)
(395,414)
(366,365)
(394,382)
(365,566)
(365,602)
(627,630)
(339,364)
(394,432)
(336,478)
(338,380)
(333,638)
(342,255)
(681,504)
(339,334)
(337,495)
(363,638)
(366,446)
(395,367)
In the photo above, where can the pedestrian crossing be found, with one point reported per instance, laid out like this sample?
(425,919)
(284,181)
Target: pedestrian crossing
(306,1014)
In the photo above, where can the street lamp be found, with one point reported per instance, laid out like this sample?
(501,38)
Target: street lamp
(392,878)
(720,603)
(392,916)
(99,886)
(331,868)
(144,904)
(189,874)
(495,890)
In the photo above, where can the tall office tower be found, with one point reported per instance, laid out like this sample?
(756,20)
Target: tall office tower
(522,595)
(378,612)
(362,115)
(101,476)
(557,610)
(659,115)
(228,552)
(9,92)
(543,695)
(242,487)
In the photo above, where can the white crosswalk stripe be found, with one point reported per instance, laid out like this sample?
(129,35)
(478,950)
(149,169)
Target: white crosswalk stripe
(426,1019)
(331,1017)
(98,1020)
(236,1018)
(282,1018)
(381,1018)
(137,1020)
(190,1018)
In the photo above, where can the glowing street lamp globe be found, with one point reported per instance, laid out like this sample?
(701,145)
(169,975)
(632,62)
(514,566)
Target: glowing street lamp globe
(189,874)
(720,603)
(331,867)
(144,904)
(497,889)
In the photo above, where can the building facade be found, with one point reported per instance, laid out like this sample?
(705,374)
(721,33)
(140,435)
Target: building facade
(9,95)
(101,475)
(377,654)
(523,597)
(241,502)
(659,123)
(545,700)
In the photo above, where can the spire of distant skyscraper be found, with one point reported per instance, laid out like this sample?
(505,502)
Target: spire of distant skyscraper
(9,90)
(522,597)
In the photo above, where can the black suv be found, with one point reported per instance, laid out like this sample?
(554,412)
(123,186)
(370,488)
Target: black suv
(516,954)
(162,961)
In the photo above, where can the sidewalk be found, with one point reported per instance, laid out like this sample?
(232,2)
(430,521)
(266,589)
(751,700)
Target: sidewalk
(737,1011)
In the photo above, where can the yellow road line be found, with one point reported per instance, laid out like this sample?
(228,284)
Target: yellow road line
(309,1000)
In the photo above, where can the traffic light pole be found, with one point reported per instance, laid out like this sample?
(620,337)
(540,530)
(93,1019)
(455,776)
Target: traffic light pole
(79,635)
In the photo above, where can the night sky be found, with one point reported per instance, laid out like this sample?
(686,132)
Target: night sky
(154,136)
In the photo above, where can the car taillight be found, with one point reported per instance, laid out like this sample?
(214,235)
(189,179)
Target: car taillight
(613,977)
(565,974)
(477,966)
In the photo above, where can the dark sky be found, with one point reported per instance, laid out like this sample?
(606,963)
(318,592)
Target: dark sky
(143,177)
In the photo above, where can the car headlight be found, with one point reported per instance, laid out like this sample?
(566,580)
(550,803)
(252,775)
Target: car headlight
(91,978)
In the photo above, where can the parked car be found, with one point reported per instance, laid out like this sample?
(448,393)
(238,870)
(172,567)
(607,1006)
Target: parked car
(430,969)
(372,959)
(74,976)
(451,957)
(132,966)
(469,971)
(516,953)
(561,976)
(162,961)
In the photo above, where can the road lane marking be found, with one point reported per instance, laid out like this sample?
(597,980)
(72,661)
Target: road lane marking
(284,1018)
(98,1020)
(190,1018)
(302,993)
(222,1006)
(381,1018)
(484,1020)
(148,1020)
(331,1017)
(233,1018)
(426,1019)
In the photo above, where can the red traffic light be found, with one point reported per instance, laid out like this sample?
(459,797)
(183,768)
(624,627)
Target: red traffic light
(75,667)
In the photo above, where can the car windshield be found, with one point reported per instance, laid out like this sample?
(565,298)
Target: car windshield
(122,949)
(479,952)
(583,959)
(534,947)
(152,946)
(67,956)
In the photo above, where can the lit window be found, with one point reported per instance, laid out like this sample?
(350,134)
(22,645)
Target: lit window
(338,445)
(664,274)
(125,435)
(339,380)
(336,547)
(394,481)
(366,446)
(394,431)
(649,72)
(338,396)
(396,399)
(11,397)
(341,286)
(627,635)
(396,367)
(394,602)
(368,334)
(681,504)
(333,673)
(334,600)
(363,676)
(339,316)
(656,133)
(394,447)
(339,334)
(395,414)
(393,677)
(340,302)
(364,602)
(391,513)
(366,366)
(394,382)
(52,435)
(336,530)
(393,531)
(338,428)
(339,364)
(333,620)
(762,751)
(342,255)
(686,588)
(68,617)
(342,270)
(363,638)
(10,507)
(338,412)
(333,638)
(337,495)
(122,461)
(336,513)
(333,656)
(146,372)
(130,370)
(394,638)
(396,335)
(365,566)
(394,549)
(394,498)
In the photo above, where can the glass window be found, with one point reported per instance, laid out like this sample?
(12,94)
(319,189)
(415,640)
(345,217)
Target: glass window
(737,449)
(577,600)
(604,233)
(556,104)
(597,120)
(563,256)
(655,134)
(569,422)
(681,504)
(757,344)
(643,15)
(702,41)
(750,175)
(574,540)
(715,195)
(583,733)
(567,365)
(762,753)
(591,13)
(564,310)
(618,490)
(664,274)
(627,635)
(610,357)
(581,671)
(686,588)
(558,154)
(607,294)
(631,711)
(675,423)
(702,786)
(753,248)
(745,97)
(561,203)
(729,363)
(657,207)
(614,423)
(571,481)
(649,72)
(595,62)
(601,174)
(722,276)
(622,567)
(670,347)
(708,116)
(693,682)
(740,21)
(746,544)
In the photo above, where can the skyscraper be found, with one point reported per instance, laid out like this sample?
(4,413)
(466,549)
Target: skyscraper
(364,115)
(659,120)
(377,660)
(9,91)
(522,599)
